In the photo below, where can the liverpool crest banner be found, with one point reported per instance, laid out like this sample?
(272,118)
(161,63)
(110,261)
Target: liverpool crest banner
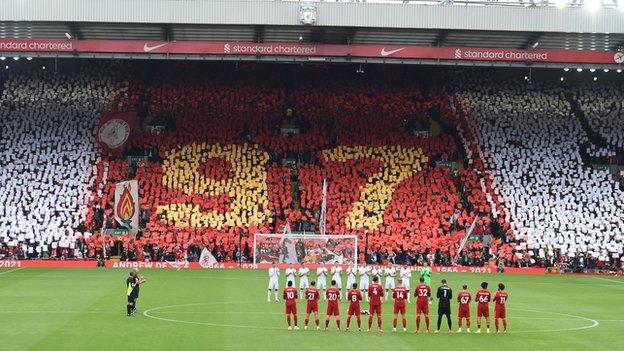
(127,205)
(115,130)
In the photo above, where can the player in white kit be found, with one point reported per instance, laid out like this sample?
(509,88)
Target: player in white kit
(390,273)
(274,274)
(351,276)
(406,275)
(321,279)
(336,272)
(290,274)
(303,279)
(364,272)
(377,271)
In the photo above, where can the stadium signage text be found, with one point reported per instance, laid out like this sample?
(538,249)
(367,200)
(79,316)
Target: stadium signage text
(10,264)
(220,48)
(269,49)
(504,55)
(225,265)
(36,45)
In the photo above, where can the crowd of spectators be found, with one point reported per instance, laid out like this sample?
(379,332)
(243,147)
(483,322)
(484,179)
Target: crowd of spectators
(227,153)
(531,143)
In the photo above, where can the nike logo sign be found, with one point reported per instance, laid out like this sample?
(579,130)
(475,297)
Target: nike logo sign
(148,48)
(388,53)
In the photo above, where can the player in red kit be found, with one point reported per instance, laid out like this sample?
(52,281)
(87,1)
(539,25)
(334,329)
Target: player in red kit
(354,296)
(375,294)
(500,298)
(463,298)
(312,295)
(333,296)
(482,298)
(422,294)
(399,295)
(290,298)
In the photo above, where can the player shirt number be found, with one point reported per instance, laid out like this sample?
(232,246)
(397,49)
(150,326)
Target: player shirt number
(290,295)
(483,298)
(311,296)
(502,300)
(374,291)
(354,298)
(422,292)
(333,297)
(400,295)
(464,300)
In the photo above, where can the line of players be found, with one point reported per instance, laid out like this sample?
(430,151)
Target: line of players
(365,274)
(400,294)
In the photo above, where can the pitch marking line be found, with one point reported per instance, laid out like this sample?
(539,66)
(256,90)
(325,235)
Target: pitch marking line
(611,320)
(146,313)
(593,321)
(609,280)
(12,270)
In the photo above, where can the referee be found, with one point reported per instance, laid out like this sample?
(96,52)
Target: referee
(445,294)
(132,290)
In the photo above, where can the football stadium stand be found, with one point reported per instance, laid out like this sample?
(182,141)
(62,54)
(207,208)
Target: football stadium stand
(224,151)
(557,203)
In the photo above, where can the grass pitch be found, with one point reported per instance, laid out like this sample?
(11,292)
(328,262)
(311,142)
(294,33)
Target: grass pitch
(84,309)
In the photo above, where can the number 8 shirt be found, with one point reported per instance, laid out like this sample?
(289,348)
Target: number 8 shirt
(354,296)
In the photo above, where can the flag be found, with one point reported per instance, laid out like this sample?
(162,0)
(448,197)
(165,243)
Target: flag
(115,129)
(127,205)
(206,260)
(323,219)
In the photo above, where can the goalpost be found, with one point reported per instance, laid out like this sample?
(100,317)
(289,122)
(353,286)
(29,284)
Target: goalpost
(305,248)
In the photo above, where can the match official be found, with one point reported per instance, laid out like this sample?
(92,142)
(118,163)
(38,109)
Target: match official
(445,294)
(132,290)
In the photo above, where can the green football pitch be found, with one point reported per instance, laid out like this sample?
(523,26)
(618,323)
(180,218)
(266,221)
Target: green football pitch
(84,309)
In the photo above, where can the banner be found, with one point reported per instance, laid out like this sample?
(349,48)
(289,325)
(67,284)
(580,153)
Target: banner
(207,260)
(115,129)
(127,205)
(12,264)
(221,48)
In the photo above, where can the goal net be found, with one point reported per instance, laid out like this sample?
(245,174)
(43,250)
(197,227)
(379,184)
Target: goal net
(305,248)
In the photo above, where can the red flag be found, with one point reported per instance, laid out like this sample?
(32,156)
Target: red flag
(115,130)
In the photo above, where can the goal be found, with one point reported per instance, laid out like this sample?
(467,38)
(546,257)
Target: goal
(305,248)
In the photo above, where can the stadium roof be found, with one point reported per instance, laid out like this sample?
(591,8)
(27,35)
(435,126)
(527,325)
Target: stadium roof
(503,15)
(313,34)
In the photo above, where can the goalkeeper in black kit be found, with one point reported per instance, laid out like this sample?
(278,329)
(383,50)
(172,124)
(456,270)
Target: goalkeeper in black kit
(445,294)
